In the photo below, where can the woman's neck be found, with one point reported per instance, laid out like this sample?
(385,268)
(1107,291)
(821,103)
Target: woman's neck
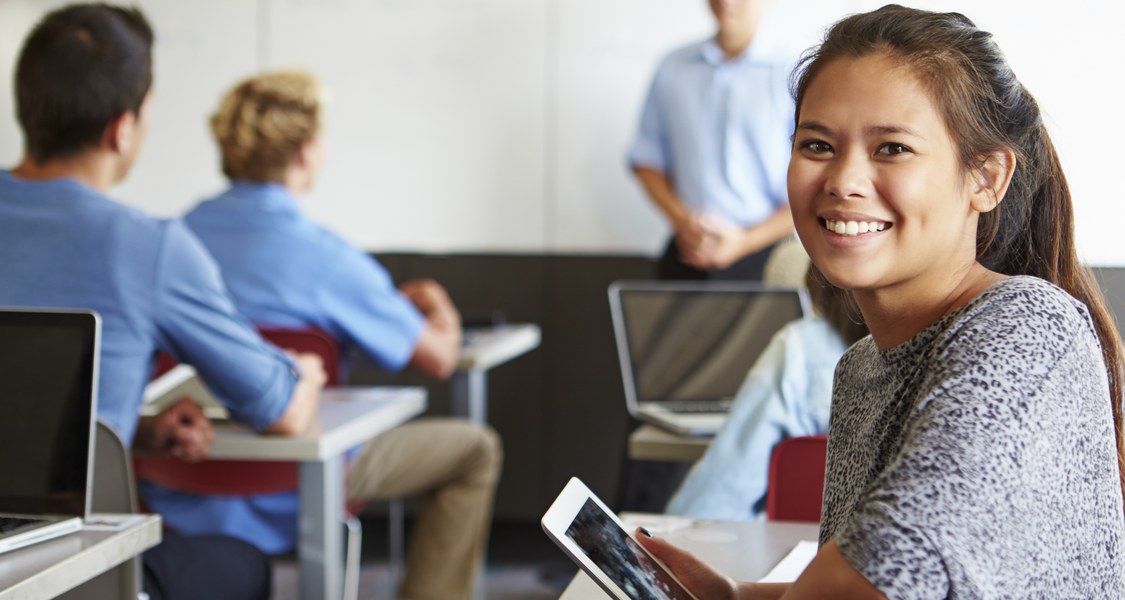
(894,315)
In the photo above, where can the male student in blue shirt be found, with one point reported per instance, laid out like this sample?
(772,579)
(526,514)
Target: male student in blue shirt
(284,270)
(712,149)
(82,86)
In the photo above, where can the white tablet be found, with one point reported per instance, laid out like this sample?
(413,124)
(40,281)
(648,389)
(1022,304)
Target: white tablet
(595,538)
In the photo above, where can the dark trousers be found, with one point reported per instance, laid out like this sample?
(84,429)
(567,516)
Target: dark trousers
(750,268)
(208,567)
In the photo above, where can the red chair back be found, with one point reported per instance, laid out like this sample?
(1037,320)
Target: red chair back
(796,480)
(240,477)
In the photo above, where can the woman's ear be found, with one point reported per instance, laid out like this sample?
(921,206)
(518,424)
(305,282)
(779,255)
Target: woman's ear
(992,180)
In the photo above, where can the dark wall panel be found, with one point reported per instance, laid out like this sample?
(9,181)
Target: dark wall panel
(588,421)
(559,408)
(1112,281)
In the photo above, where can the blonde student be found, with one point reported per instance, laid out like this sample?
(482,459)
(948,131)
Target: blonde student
(975,440)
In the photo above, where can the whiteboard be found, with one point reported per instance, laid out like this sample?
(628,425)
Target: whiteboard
(503,125)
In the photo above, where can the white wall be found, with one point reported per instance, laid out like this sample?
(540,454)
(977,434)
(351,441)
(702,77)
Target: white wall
(502,125)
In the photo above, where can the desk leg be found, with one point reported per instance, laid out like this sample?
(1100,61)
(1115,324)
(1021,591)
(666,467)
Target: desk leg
(469,396)
(320,544)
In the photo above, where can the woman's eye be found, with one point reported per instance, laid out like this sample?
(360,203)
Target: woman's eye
(891,149)
(817,146)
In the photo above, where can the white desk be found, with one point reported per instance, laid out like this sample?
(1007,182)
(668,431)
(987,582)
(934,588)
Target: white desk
(485,348)
(47,569)
(744,550)
(649,442)
(347,417)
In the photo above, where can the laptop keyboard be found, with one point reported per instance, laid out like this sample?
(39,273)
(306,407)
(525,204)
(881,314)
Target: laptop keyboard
(697,406)
(10,524)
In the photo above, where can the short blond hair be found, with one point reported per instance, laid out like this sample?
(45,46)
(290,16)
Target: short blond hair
(263,122)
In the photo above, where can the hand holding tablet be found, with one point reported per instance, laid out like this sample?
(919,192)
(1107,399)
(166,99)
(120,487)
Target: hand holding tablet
(597,541)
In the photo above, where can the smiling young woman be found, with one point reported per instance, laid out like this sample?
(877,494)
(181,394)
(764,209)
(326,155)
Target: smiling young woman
(974,443)
(872,152)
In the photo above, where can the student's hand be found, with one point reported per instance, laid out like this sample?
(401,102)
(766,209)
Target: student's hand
(313,374)
(697,576)
(181,430)
(431,299)
(722,244)
(692,238)
(439,344)
(303,403)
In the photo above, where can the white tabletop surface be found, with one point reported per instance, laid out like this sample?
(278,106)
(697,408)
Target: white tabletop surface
(488,347)
(347,416)
(745,550)
(47,569)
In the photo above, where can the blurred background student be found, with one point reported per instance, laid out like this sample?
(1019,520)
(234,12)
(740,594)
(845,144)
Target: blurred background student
(285,271)
(787,393)
(83,96)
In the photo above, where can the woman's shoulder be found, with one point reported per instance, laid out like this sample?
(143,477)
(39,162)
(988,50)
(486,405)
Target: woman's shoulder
(1024,303)
(1020,325)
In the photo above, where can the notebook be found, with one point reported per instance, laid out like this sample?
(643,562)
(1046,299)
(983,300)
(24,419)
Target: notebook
(181,381)
(685,347)
(48,398)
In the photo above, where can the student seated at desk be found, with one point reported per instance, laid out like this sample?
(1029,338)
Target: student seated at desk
(787,393)
(976,435)
(283,270)
(83,97)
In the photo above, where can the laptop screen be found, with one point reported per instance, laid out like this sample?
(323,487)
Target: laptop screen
(696,341)
(49,361)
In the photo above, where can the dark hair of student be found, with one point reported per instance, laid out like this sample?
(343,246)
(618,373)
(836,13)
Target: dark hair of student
(80,68)
(986,109)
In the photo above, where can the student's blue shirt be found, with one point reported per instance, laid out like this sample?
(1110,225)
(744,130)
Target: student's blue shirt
(284,270)
(720,129)
(64,244)
(787,393)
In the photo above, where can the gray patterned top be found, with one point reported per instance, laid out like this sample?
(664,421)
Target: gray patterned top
(977,459)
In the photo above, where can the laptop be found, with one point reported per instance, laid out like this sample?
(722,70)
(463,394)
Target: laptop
(48,398)
(685,347)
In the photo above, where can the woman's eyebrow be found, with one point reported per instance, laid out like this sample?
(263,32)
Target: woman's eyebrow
(876,130)
(814,126)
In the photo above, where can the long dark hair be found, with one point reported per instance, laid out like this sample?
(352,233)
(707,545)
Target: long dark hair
(986,109)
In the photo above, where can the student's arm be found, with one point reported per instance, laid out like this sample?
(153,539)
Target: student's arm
(305,399)
(197,324)
(828,575)
(686,225)
(830,572)
(439,343)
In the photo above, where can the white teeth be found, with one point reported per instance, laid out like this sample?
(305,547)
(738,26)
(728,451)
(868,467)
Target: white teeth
(852,228)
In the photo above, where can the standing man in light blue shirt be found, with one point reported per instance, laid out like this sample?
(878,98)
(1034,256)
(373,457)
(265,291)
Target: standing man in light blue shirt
(713,148)
(82,84)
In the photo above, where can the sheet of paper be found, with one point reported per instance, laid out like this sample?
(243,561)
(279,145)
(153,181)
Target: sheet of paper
(794,563)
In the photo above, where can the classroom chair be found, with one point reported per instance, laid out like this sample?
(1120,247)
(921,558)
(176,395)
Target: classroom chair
(236,477)
(112,491)
(796,479)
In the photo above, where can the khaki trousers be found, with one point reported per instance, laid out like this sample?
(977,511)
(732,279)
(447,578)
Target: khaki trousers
(455,465)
